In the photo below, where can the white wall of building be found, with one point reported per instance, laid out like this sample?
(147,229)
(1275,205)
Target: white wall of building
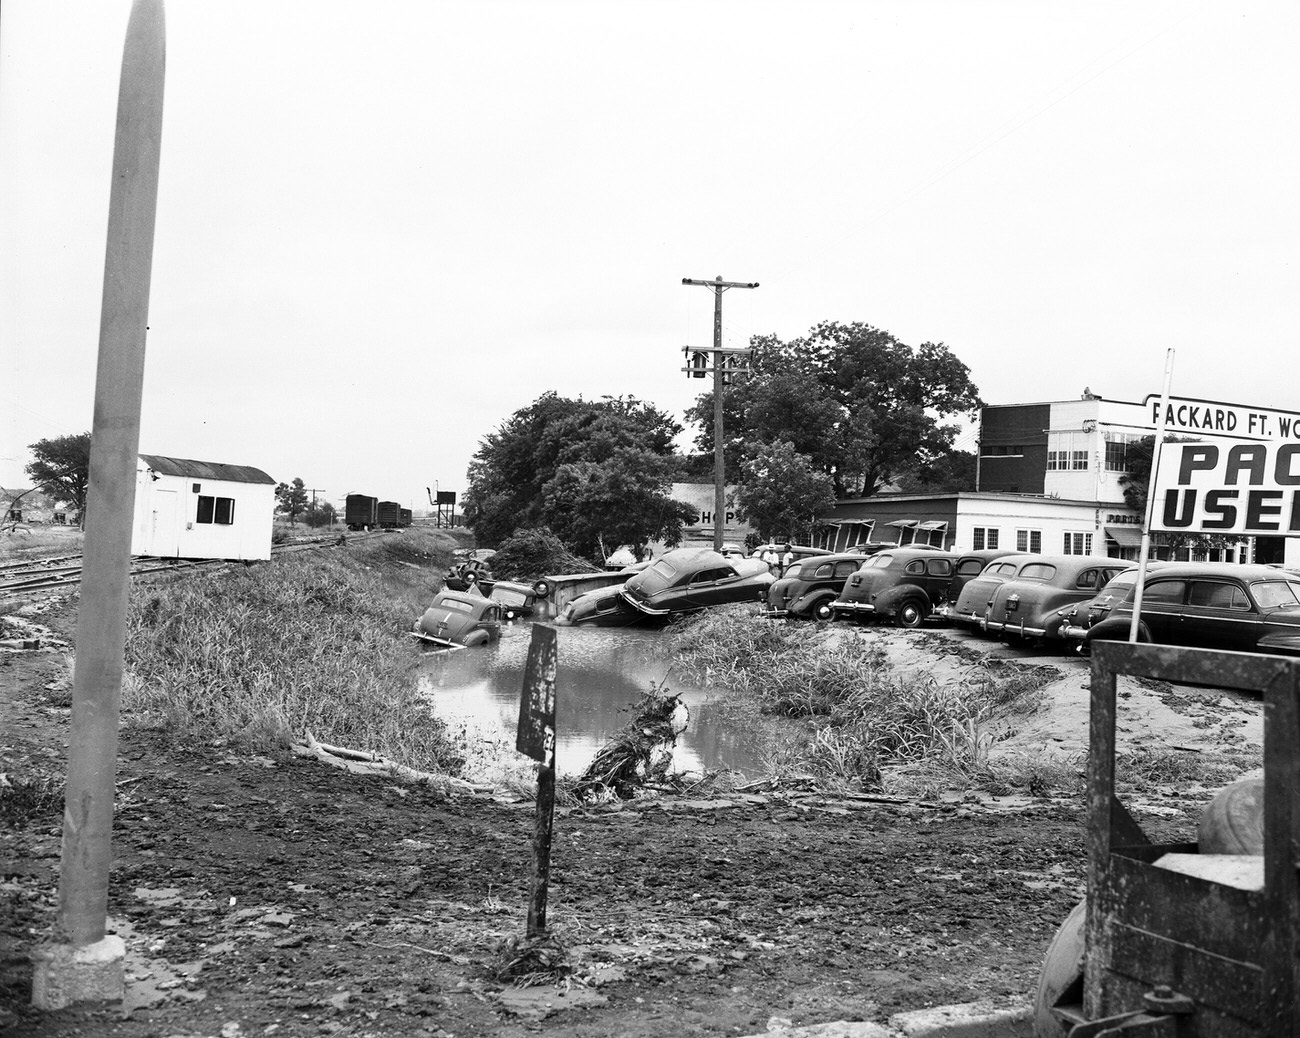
(1030,524)
(172,520)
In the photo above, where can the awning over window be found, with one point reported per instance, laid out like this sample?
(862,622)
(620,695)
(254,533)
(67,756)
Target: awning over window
(1125,536)
(934,524)
(905,524)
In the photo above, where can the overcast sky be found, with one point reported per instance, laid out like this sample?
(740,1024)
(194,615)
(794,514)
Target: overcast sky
(384,227)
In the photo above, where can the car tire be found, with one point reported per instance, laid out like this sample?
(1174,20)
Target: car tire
(542,588)
(911,613)
(823,610)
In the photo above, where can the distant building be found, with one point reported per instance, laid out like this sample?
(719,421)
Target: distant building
(201,510)
(1047,480)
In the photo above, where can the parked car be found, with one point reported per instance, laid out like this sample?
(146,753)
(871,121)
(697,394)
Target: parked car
(1023,603)
(460,618)
(905,585)
(1212,605)
(466,573)
(969,565)
(1072,622)
(687,579)
(807,589)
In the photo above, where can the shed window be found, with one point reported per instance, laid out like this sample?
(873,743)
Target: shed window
(219,510)
(984,537)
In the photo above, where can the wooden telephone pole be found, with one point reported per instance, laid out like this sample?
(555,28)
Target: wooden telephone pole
(719,377)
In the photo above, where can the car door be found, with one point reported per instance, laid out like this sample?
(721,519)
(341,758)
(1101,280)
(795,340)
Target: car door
(938,575)
(1162,609)
(710,587)
(1220,615)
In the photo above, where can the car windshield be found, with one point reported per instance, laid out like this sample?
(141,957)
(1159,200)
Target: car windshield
(509,596)
(455,605)
(794,571)
(1276,594)
(1122,581)
(1038,571)
(878,561)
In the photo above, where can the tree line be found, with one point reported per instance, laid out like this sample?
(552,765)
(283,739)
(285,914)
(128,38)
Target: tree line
(845,411)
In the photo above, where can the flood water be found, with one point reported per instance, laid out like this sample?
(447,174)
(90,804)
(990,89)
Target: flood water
(601,675)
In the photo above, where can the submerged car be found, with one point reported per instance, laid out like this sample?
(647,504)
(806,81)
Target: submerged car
(604,607)
(686,579)
(1212,605)
(467,573)
(807,589)
(905,585)
(516,599)
(459,618)
(1024,603)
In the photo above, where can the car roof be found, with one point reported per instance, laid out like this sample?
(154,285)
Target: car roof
(1242,571)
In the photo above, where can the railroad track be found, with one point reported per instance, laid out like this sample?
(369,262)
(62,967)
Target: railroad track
(30,576)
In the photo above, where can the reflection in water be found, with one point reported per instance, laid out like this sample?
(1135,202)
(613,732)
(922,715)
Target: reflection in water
(602,674)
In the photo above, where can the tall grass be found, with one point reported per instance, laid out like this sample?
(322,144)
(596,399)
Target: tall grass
(858,715)
(315,641)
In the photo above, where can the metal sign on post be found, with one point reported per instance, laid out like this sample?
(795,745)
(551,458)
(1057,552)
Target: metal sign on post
(536,739)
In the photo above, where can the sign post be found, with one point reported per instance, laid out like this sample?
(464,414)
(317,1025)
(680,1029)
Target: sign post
(536,739)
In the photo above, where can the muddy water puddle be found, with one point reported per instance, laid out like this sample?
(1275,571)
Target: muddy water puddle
(601,677)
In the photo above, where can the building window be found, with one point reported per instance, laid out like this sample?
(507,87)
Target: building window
(1078,544)
(219,510)
(1029,540)
(1002,450)
(1054,460)
(984,537)
(1078,460)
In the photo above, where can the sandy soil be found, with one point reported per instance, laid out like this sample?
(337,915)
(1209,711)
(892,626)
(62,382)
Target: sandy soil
(277,895)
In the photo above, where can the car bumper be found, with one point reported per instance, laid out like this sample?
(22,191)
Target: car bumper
(865,608)
(1071,632)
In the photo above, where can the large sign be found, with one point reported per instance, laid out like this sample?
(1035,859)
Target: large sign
(1214,418)
(1247,489)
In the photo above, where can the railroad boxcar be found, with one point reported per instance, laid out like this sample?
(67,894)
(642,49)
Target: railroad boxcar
(389,515)
(405,517)
(361,512)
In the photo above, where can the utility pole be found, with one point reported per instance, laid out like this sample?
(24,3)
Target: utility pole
(719,362)
(314,491)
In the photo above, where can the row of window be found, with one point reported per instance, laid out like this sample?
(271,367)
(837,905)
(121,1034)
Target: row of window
(1030,540)
(1067,461)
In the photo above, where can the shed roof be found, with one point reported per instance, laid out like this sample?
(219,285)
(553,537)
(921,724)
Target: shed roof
(205,469)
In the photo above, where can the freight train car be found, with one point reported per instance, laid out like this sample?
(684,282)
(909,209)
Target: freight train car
(361,512)
(389,515)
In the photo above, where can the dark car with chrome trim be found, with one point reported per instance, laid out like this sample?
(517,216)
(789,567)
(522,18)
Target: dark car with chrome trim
(686,579)
(1072,622)
(1212,605)
(1024,602)
(905,585)
(807,588)
(457,619)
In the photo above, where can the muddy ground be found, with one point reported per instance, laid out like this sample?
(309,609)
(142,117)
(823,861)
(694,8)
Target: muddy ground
(278,895)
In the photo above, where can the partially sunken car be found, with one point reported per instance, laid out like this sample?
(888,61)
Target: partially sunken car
(905,585)
(686,579)
(517,599)
(1025,602)
(1212,605)
(604,607)
(808,588)
(459,619)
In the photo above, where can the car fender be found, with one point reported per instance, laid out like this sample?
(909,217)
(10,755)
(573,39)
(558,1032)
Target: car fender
(1281,643)
(888,601)
(1116,629)
(807,603)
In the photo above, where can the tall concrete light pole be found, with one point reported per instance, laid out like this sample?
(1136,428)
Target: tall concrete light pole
(719,364)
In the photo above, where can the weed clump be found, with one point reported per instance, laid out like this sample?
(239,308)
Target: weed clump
(310,641)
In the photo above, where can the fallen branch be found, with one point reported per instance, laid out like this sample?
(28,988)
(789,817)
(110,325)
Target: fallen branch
(362,762)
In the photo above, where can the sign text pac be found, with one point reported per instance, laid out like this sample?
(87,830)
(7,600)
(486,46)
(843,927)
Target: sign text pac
(536,737)
(1242,489)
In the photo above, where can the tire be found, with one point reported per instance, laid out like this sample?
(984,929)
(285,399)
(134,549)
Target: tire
(542,589)
(470,577)
(911,613)
(823,611)
(1062,974)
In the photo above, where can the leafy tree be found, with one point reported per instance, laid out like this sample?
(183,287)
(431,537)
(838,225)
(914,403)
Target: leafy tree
(862,406)
(292,498)
(62,469)
(781,490)
(947,474)
(591,471)
(319,513)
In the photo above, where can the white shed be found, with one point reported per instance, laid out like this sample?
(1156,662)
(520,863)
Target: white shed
(201,510)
